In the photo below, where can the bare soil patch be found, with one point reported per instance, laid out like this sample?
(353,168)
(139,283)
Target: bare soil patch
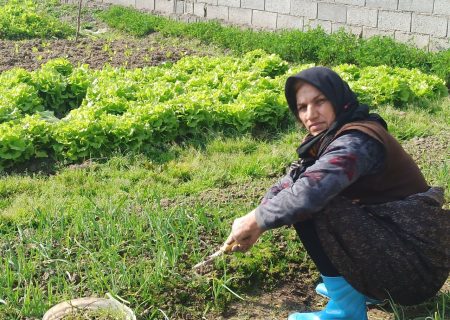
(429,151)
(278,304)
(98,45)
(129,53)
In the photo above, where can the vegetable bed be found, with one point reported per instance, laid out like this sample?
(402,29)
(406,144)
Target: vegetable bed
(74,113)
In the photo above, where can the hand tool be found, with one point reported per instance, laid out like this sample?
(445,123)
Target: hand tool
(224,249)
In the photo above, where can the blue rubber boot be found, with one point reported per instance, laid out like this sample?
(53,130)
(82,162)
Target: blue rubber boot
(345,303)
(322,291)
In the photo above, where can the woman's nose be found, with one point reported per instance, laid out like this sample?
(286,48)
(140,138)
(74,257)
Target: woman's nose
(311,112)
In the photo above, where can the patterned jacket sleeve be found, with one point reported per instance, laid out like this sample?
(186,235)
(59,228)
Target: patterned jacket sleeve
(346,159)
(281,184)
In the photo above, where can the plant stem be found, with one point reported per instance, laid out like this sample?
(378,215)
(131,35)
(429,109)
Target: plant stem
(78,19)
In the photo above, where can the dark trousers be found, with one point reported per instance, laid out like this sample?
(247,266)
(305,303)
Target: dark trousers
(308,236)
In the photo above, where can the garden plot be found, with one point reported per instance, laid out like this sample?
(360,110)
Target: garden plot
(128,53)
(156,157)
(74,113)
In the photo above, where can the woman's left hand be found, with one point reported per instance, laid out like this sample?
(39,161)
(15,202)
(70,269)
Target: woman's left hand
(244,232)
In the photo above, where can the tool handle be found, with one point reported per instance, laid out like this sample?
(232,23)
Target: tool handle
(228,247)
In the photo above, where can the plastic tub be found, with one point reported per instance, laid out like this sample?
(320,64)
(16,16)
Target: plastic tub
(89,304)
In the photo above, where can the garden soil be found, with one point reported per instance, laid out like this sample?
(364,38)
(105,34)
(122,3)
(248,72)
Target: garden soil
(130,53)
(97,46)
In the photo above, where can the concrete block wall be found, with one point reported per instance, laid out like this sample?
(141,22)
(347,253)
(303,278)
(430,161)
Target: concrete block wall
(423,23)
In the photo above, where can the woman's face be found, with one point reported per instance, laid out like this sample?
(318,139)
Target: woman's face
(314,109)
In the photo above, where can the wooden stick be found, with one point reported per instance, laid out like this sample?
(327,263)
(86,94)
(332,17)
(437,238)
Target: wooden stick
(78,19)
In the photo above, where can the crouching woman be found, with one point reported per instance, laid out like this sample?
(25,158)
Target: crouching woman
(359,204)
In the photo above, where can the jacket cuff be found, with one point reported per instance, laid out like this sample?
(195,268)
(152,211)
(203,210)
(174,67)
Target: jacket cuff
(260,220)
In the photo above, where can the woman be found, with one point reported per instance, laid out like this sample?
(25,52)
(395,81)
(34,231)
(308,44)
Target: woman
(358,202)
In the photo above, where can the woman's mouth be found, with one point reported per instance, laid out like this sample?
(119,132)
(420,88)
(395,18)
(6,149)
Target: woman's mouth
(315,126)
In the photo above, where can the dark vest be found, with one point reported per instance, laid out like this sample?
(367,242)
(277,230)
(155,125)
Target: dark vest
(399,178)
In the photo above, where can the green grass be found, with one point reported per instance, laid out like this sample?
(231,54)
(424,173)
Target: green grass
(134,225)
(436,309)
(417,121)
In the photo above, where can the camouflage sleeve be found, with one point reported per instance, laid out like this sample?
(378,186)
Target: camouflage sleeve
(346,159)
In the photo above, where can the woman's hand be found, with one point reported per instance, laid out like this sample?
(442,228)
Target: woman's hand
(244,232)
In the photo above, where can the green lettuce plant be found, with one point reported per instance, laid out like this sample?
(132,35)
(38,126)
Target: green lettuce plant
(73,113)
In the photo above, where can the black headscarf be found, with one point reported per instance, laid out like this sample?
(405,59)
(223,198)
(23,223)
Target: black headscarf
(344,101)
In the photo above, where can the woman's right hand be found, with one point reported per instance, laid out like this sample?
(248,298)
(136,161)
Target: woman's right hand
(244,233)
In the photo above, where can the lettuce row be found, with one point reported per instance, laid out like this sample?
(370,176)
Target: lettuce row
(73,113)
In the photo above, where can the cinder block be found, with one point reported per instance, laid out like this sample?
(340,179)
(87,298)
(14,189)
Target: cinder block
(383,4)
(229,3)
(179,9)
(183,17)
(240,16)
(145,4)
(313,24)
(390,20)
(304,8)
(418,40)
(195,19)
(279,6)
(253,4)
(362,16)
(213,2)
(442,7)
(438,44)
(126,3)
(352,2)
(189,8)
(356,30)
(165,6)
(285,21)
(416,5)
(217,12)
(332,12)
(263,19)
(200,9)
(370,32)
(432,25)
